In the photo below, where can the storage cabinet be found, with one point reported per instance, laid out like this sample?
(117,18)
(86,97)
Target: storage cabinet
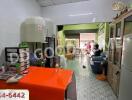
(114,65)
(116,79)
(118,28)
(114,56)
(14,55)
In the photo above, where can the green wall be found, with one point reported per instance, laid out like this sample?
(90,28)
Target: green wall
(61,35)
(102,37)
(81,26)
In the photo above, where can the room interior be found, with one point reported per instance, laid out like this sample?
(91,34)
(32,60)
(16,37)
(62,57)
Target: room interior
(50,46)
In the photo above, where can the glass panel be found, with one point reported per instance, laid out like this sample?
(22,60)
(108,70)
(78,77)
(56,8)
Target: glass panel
(111,49)
(117,51)
(111,32)
(118,29)
(117,45)
(128,25)
(111,44)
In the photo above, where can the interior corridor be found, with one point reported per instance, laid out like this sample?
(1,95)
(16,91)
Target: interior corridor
(88,87)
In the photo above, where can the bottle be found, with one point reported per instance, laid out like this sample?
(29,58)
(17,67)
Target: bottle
(18,68)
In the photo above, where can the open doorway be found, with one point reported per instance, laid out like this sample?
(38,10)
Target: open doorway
(77,35)
(74,39)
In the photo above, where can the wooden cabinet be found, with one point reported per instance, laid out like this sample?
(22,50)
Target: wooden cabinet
(110,73)
(118,28)
(116,79)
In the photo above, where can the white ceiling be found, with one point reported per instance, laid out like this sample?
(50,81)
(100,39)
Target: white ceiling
(45,3)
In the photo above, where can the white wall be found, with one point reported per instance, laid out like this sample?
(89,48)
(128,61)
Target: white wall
(59,14)
(12,13)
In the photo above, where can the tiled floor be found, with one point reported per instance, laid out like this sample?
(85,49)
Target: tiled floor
(88,87)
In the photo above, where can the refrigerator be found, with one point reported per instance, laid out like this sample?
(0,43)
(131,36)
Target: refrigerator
(125,89)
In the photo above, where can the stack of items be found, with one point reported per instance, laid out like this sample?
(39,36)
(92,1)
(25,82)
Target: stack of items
(17,55)
(17,61)
(4,74)
(10,76)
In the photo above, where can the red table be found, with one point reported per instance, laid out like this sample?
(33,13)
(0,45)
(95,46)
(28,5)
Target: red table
(43,83)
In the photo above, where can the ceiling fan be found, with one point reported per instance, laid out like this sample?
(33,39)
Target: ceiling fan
(118,5)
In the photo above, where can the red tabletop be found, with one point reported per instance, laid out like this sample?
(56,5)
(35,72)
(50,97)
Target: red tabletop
(43,83)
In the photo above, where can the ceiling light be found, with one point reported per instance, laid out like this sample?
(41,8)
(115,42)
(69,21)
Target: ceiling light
(83,14)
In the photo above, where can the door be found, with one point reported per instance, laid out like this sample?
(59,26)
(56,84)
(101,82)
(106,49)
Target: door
(127,52)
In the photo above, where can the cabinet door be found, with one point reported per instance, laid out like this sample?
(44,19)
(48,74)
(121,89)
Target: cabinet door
(110,73)
(125,85)
(116,79)
(118,44)
(117,51)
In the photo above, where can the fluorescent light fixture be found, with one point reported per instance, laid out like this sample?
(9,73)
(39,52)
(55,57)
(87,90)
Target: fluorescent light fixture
(83,14)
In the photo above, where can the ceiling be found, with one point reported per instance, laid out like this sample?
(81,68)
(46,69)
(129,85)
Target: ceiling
(45,3)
